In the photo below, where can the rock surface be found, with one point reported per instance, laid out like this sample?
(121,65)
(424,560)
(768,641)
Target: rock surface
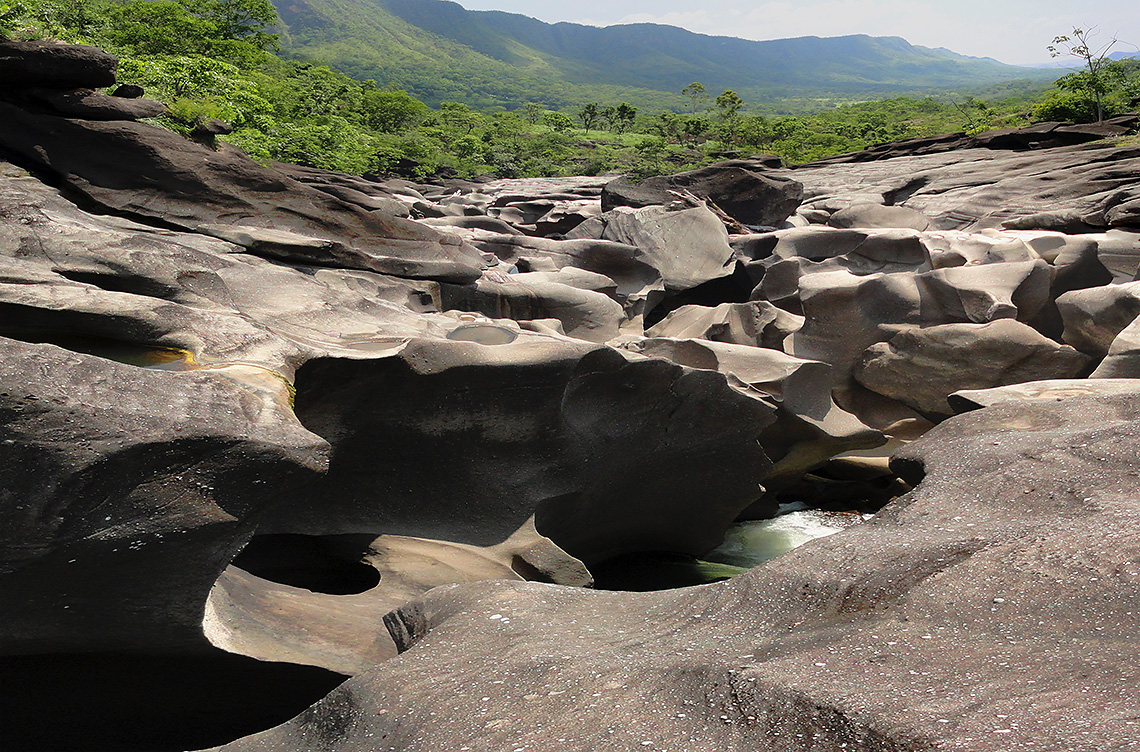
(745,190)
(948,622)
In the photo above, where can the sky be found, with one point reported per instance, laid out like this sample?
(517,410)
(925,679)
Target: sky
(1012,31)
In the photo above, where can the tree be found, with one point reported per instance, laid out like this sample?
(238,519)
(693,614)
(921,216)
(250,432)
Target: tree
(692,128)
(558,122)
(728,107)
(1099,73)
(728,104)
(241,20)
(624,116)
(392,111)
(458,116)
(696,92)
(589,115)
(533,112)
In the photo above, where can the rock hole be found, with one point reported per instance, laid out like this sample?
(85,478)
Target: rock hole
(140,703)
(329,564)
(111,282)
(735,288)
(658,570)
(129,353)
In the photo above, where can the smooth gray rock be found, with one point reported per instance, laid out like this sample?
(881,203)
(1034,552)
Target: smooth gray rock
(149,172)
(757,323)
(127,492)
(639,286)
(54,65)
(1048,390)
(584,313)
(1093,317)
(739,188)
(607,454)
(921,367)
(809,429)
(687,246)
(91,105)
(877,215)
(978,188)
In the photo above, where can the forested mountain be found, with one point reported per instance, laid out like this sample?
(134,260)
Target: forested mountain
(438,50)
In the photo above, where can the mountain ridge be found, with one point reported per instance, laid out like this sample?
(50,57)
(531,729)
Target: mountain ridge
(439,50)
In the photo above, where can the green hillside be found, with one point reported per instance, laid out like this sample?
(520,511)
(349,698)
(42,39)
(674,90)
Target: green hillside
(439,51)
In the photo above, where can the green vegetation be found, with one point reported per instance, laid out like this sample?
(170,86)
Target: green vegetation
(1101,87)
(218,59)
(438,51)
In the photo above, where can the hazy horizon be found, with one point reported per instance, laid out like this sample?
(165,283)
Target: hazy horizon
(1014,31)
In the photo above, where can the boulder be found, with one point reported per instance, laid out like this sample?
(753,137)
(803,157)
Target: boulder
(54,65)
(90,105)
(638,285)
(687,246)
(610,456)
(584,313)
(921,367)
(146,483)
(877,215)
(738,188)
(951,248)
(757,323)
(980,294)
(809,429)
(1093,317)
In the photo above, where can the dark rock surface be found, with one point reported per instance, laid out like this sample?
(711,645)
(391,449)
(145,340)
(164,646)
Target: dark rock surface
(54,65)
(92,105)
(153,174)
(1037,136)
(689,246)
(1085,188)
(743,189)
(922,367)
(949,622)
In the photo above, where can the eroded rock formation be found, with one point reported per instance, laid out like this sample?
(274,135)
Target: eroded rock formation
(265,428)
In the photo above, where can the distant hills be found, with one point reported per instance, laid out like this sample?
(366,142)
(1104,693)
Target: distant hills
(438,50)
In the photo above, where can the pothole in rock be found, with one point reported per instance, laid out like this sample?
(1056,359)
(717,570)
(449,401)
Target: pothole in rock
(748,544)
(484,334)
(159,358)
(658,570)
(329,564)
(822,503)
(145,703)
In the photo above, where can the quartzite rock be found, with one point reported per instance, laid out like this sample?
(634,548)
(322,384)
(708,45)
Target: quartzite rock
(757,323)
(128,491)
(688,246)
(1093,317)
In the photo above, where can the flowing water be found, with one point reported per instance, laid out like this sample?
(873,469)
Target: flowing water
(750,543)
